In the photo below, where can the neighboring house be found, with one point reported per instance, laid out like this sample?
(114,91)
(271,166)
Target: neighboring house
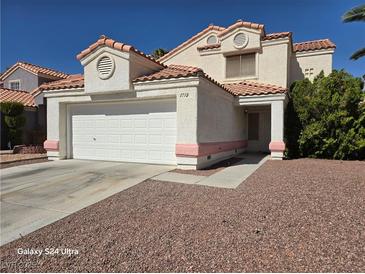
(30,113)
(220,93)
(20,83)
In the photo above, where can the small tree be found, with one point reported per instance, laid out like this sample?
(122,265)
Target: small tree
(14,120)
(158,53)
(325,118)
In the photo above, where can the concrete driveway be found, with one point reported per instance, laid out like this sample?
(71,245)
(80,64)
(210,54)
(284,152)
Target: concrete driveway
(36,195)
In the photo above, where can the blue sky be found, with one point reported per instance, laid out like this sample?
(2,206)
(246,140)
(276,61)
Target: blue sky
(51,32)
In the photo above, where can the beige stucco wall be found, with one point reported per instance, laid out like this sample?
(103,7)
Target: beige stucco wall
(119,80)
(127,67)
(186,93)
(271,59)
(219,120)
(319,60)
(273,63)
(140,66)
(276,63)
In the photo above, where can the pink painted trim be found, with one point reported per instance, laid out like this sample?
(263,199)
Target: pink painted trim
(277,146)
(203,149)
(51,145)
(187,149)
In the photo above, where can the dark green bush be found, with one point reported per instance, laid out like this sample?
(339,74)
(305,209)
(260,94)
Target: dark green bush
(15,136)
(325,118)
(13,120)
(11,108)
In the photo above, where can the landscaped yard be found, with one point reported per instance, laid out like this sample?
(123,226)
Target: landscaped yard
(289,216)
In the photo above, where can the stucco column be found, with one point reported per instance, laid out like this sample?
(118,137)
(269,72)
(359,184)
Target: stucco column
(277,145)
(187,117)
(56,126)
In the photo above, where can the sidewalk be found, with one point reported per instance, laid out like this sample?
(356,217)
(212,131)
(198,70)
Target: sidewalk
(230,177)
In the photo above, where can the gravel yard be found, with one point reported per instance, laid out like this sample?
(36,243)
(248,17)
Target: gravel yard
(289,216)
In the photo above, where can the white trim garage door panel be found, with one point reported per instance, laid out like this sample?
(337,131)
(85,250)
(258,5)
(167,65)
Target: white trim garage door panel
(138,131)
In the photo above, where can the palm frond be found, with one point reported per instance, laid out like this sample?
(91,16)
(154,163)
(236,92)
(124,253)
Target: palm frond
(358,54)
(355,14)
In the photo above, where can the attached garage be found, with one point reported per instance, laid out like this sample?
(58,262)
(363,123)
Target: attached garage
(141,131)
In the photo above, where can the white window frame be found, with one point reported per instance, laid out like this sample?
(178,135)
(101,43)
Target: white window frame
(243,45)
(15,81)
(252,77)
(216,38)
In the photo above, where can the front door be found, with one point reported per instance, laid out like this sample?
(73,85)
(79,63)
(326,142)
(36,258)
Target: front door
(259,131)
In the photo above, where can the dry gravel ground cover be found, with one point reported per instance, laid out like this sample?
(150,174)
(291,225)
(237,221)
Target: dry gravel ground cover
(289,216)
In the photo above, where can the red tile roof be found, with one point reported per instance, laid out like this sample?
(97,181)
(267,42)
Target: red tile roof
(246,88)
(240,24)
(277,35)
(38,70)
(243,88)
(195,37)
(108,42)
(73,81)
(178,71)
(172,71)
(208,47)
(12,95)
(314,45)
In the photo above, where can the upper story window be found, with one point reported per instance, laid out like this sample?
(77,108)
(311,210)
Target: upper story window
(212,39)
(309,72)
(14,84)
(243,65)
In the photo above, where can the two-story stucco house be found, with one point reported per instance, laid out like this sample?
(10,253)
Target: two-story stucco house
(19,83)
(221,92)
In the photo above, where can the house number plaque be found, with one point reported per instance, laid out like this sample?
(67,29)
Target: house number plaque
(184,95)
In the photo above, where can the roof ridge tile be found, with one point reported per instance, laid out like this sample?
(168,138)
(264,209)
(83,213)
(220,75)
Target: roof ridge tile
(111,43)
(241,23)
(191,39)
(35,69)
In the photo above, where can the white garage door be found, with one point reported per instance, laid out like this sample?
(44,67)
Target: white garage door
(143,131)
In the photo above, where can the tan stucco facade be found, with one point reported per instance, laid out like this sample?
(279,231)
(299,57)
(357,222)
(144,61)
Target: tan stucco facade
(312,62)
(276,63)
(211,123)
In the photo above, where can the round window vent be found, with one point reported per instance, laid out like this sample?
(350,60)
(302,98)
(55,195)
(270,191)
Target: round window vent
(240,40)
(105,67)
(212,40)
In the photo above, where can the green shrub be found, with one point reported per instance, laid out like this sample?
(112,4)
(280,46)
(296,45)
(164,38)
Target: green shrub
(11,108)
(13,120)
(325,118)
(15,136)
